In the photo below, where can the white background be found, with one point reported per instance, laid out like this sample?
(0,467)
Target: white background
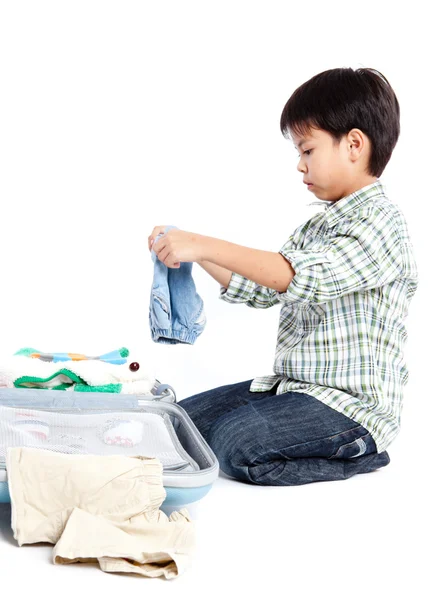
(119,116)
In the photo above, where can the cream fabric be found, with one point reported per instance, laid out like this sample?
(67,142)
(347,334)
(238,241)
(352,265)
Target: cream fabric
(98,508)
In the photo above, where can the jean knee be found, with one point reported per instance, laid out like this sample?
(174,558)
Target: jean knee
(235,445)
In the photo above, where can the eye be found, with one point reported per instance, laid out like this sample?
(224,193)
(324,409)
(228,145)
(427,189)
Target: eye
(307,152)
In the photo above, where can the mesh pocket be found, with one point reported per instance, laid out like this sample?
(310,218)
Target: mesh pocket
(97,432)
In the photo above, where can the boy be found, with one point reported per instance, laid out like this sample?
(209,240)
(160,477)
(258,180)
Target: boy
(344,281)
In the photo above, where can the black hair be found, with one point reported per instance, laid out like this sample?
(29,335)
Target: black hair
(339,100)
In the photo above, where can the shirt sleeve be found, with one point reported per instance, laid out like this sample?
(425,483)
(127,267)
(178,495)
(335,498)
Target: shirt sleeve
(241,290)
(363,254)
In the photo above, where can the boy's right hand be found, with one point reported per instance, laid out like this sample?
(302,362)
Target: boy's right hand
(156,231)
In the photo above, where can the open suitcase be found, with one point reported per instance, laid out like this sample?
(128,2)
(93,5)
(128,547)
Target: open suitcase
(104,423)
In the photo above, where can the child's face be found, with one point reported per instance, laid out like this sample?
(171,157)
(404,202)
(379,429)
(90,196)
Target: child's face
(325,164)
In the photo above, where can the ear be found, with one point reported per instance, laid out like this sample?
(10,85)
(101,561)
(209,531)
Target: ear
(357,143)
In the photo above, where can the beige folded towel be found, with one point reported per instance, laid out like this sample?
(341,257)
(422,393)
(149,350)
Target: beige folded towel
(98,508)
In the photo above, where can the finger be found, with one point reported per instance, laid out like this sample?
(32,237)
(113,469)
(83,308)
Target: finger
(159,245)
(156,231)
(161,249)
(167,257)
(151,238)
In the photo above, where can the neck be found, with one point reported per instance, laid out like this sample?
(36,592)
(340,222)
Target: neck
(357,184)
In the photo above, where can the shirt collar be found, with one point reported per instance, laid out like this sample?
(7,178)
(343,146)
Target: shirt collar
(334,211)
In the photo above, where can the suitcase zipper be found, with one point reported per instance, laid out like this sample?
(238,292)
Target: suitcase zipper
(176,467)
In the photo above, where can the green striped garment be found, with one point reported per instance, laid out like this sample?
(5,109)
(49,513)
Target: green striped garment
(341,330)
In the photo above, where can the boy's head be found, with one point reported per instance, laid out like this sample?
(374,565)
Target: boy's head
(345,124)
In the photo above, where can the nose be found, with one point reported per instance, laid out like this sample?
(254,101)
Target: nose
(301,166)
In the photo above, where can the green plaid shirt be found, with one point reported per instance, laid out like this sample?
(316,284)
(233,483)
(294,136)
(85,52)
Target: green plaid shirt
(341,331)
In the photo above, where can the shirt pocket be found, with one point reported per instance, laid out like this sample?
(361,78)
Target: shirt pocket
(298,321)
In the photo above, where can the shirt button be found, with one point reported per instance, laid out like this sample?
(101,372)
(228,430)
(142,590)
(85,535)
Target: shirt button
(300,331)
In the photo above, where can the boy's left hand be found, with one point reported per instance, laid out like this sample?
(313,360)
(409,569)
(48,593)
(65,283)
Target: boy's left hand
(178,246)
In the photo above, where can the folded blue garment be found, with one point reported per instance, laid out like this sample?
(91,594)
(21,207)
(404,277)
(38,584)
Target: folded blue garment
(176,311)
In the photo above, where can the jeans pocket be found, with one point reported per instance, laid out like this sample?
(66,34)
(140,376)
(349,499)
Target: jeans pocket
(201,318)
(163,304)
(361,444)
(159,312)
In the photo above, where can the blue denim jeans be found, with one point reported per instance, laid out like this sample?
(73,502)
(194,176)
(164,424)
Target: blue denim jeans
(176,310)
(284,439)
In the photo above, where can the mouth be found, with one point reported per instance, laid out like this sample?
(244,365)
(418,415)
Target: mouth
(308,184)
